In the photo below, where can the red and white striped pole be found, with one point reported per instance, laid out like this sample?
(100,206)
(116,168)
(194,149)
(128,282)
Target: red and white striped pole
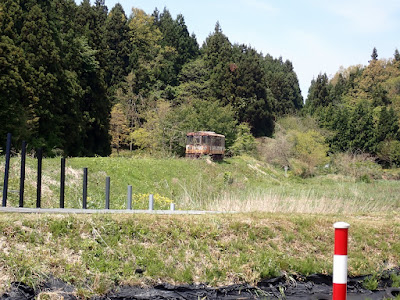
(340,261)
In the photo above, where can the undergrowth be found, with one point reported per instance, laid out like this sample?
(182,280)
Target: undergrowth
(97,252)
(235,184)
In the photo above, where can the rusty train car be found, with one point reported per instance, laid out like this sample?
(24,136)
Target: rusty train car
(205,143)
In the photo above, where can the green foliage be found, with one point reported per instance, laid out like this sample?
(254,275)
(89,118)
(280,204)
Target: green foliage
(359,166)
(395,280)
(318,93)
(197,115)
(142,138)
(119,130)
(283,83)
(371,283)
(389,152)
(310,149)
(117,39)
(298,143)
(244,143)
(359,106)
(99,252)
(65,66)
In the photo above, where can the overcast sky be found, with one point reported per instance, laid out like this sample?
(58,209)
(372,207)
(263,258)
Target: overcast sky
(318,36)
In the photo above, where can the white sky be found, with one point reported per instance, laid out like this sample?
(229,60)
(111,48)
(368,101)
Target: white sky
(317,36)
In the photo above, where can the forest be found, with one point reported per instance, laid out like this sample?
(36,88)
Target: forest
(81,80)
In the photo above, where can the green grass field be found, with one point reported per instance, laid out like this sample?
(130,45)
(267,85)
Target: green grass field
(96,252)
(285,226)
(236,184)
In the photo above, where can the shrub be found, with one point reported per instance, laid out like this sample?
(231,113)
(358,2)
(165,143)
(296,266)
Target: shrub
(276,151)
(245,142)
(310,149)
(389,152)
(357,165)
(298,143)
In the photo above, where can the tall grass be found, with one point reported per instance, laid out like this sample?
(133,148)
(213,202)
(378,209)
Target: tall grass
(237,184)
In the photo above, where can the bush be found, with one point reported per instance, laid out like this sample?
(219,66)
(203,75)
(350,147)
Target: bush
(245,142)
(277,151)
(301,149)
(357,165)
(310,147)
(389,153)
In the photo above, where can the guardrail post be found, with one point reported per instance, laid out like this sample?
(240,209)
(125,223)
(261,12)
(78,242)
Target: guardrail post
(340,261)
(85,183)
(108,182)
(6,170)
(172,206)
(151,202)
(22,175)
(39,155)
(62,182)
(129,197)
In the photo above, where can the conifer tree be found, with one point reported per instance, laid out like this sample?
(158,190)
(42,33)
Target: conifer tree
(374,55)
(117,39)
(396,55)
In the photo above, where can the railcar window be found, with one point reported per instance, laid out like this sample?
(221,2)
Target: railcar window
(189,140)
(197,140)
(205,140)
(217,141)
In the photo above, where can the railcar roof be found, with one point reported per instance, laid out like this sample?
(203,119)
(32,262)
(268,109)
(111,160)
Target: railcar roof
(204,133)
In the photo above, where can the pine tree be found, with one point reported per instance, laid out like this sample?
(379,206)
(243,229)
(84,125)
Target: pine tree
(15,92)
(318,93)
(387,126)
(396,55)
(250,96)
(284,85)
(176,36)
(42,53)
(374,55)
(361,129)
(117,39)
(218,57)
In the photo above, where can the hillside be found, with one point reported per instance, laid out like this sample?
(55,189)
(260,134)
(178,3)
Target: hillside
(287,228)
(92,77)
(94,253)
(235,184)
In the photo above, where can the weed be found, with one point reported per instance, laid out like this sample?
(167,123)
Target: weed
(395,280)
(371,282)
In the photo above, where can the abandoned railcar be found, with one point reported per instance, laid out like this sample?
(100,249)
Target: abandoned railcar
(205,143)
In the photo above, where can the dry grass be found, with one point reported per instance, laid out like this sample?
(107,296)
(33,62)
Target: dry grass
(94,252)
(305,202)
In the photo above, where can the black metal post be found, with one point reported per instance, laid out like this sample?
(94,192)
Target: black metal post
(107,192)
(62,182)
(6,170)
(22,175)
(85,183)
(39,155)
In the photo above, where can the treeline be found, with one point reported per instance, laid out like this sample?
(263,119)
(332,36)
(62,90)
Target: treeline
(360,108)
(78,79)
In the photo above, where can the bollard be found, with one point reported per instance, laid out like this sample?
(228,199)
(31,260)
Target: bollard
(340,261)
(85,183)
(151,202)
(172,206)
(62,182)
(22,175)
(39,155)
(6,170)
(108,192)
(129,197)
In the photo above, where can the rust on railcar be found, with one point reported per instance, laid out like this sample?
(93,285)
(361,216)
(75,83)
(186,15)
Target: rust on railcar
(205,143)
